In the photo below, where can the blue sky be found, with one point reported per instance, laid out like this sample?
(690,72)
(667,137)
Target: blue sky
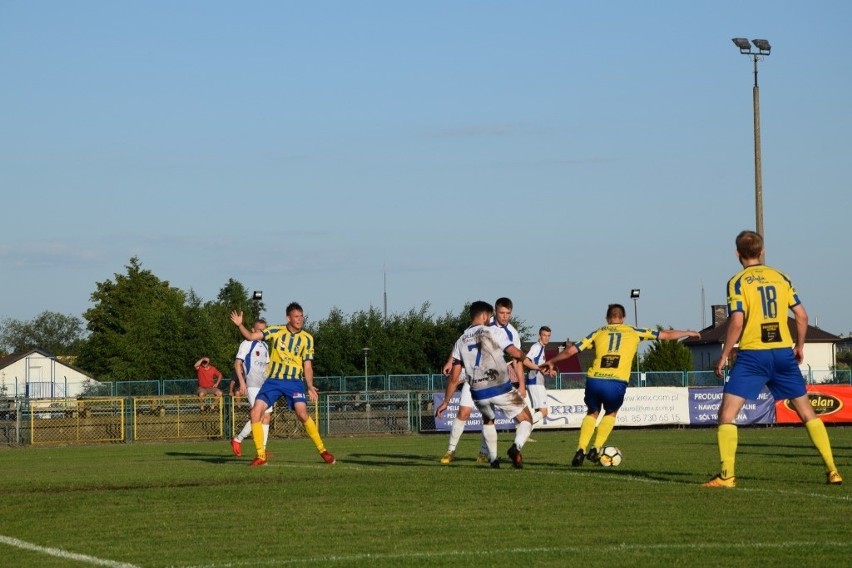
(560,153)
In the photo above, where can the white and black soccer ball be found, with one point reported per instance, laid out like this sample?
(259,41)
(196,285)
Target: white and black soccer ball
(610,456)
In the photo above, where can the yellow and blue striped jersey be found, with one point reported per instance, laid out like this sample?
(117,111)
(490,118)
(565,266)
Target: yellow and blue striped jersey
(764,296)
(288,352)
(615,347)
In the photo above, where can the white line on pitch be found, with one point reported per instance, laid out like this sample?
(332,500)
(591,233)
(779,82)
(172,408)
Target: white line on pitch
(544,550)
(59,553)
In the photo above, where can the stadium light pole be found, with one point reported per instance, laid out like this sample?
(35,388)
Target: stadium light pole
(634,295)
(763,49)
(366,351)
(256,297)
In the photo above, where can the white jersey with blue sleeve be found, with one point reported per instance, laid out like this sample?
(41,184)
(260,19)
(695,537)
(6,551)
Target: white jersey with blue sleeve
(480,350)
(255,357)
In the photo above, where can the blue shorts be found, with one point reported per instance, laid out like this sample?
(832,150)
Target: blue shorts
(775,368)
(608,393)
(292,389)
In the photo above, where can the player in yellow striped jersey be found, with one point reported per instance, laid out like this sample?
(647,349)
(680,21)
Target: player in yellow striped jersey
(615,346)
(290,375)
(759,299)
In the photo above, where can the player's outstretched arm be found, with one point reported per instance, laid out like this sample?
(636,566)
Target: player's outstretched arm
(669,334)
(237,318)
(549,368)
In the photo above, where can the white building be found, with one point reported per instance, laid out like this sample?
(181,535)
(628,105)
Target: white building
(820,347)
(38,374)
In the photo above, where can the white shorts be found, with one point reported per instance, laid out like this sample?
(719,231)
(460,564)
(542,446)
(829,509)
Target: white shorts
(251,394)
(510,403)
(537,395)
(466,399)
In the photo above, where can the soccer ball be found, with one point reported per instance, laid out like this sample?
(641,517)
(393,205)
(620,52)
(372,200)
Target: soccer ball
(610,456)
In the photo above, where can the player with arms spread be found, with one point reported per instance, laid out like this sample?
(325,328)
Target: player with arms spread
(615,346)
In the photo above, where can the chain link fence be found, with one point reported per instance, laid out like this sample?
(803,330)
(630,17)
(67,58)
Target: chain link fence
(70,421)
(170,409)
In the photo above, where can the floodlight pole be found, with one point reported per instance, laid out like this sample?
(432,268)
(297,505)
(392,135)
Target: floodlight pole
(763,49)
(366,351)
(634,295)
(758,166)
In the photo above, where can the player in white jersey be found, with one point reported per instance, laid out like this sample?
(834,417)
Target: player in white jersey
(501,320)
(250,368)
(480,351)
(535,379)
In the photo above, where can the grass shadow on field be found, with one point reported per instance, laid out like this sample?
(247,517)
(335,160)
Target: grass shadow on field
(209,458)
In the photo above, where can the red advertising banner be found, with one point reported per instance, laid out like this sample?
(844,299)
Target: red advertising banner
(832,403)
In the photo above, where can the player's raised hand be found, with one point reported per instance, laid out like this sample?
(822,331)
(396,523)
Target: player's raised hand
(237,318)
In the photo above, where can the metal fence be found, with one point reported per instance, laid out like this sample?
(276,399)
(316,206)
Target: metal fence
(69,421)
(379,383)
(438,382)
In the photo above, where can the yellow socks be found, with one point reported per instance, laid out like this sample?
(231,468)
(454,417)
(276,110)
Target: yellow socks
(587,428)
(313,433)
(604,430)
(257,438)
(819,437)
(727,437)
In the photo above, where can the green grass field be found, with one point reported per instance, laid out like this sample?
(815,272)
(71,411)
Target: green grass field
(388,502)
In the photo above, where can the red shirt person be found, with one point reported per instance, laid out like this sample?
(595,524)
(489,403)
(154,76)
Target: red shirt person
(209,378)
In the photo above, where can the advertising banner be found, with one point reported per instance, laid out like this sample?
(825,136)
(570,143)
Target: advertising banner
(642,407)
(704,407)
(832,403)
(444,422)
(654,406)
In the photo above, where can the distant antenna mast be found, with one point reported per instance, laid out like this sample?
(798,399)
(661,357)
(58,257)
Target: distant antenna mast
(703,308)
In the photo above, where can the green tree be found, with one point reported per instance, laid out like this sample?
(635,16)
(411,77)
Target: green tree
(413,342)
(135,327)
(667,356)
(55,333)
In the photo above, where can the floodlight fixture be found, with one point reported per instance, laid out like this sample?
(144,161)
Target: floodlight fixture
(762,45)
(257,295)
(634,293)
(742,43)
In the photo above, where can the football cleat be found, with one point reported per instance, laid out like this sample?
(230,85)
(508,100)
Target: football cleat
(833,478)
(593,456)
(495,464)
(517,459)
(482,458)
(719,481)
(236,447)
(327,457)
(577,461)
(258,462)
(448,457)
